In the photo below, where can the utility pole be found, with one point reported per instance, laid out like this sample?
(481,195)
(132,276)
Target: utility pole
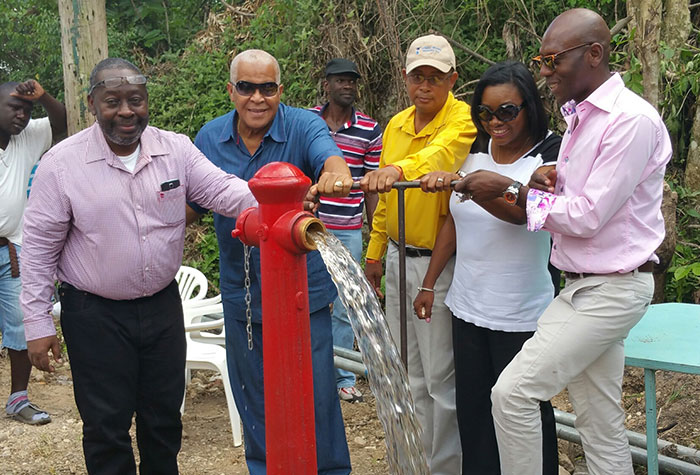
(83,45)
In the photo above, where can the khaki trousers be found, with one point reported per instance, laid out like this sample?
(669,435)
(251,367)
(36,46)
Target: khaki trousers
(578,345)
(431,370)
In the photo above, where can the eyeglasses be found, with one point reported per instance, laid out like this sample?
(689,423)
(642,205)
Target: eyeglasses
(267,89)
(550,60)
(417,78)
(118,81)
(504,113)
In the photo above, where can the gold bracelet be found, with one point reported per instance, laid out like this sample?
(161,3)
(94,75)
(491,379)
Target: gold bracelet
(425,289)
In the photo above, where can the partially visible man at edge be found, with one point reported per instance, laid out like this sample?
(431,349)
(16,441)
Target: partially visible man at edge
(107,216)
(22,143)
(434,134)
(359,137)
(602,207)
(258,131)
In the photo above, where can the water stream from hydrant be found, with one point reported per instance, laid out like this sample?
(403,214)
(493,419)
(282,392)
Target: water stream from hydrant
(387,376)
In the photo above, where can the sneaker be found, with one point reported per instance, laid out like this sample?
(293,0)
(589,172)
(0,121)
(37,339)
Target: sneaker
(350,394)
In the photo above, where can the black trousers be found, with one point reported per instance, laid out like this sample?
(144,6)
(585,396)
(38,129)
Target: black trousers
(480,355)
(127,357)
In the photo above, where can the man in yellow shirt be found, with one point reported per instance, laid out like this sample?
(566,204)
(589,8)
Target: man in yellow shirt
(435,133)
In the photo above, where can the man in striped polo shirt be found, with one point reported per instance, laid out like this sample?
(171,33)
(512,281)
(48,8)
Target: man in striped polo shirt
(360,139)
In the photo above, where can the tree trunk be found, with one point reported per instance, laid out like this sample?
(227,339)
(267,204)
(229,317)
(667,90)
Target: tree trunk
(388,15)
(83,45)
(692,166)
(668,246)
(676,25)
(646,19)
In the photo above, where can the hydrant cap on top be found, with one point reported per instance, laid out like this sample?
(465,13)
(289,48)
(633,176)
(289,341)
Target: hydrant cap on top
(279,182)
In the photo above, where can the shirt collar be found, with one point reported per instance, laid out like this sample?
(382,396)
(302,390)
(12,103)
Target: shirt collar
(277,131)
(353,116)
(408,125)
(603,97)
(98,149)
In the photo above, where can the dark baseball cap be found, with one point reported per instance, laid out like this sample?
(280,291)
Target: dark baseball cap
(341,66)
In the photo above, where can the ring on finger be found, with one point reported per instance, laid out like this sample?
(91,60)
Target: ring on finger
(339,184)
(440,180)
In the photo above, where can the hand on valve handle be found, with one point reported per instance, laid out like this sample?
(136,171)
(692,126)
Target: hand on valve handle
(483,185)
(335,180)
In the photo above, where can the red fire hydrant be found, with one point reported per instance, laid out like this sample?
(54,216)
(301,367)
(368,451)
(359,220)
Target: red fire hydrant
(279,227)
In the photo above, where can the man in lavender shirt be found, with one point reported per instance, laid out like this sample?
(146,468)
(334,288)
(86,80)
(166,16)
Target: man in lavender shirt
(602,207)
(107,216)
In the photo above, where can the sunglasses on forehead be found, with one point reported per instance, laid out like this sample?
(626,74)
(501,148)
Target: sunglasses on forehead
(136,79)
(504,113)
(267,89)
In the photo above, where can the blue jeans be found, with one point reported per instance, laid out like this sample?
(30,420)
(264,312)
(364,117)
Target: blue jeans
(342,330)
(11,320)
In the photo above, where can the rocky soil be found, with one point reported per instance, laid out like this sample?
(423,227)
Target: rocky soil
(208,448)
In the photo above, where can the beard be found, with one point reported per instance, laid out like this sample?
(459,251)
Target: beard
(120,139)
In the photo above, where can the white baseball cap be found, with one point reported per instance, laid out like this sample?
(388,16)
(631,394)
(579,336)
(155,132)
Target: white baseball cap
(430,50)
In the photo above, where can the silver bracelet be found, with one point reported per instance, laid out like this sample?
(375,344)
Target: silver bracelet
(426,289)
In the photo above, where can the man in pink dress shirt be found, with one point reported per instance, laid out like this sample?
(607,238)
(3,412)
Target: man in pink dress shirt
(107,216)
(602,207)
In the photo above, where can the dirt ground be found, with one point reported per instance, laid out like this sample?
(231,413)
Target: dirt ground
(207,444)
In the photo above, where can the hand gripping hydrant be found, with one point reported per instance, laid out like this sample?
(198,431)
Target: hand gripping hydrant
(279,226)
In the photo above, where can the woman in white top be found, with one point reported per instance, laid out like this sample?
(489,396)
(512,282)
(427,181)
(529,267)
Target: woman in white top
(501,283)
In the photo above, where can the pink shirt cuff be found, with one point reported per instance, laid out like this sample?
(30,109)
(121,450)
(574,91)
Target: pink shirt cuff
(39,328)
(539,204)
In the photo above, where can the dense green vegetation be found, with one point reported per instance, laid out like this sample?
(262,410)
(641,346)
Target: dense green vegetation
(185,47)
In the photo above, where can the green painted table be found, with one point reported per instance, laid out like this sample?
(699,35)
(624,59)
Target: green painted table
(667,338)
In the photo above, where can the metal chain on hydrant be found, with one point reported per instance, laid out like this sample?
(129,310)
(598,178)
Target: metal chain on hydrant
(248,312)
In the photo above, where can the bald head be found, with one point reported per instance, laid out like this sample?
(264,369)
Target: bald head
(580,26)
(574,54)
(255,57)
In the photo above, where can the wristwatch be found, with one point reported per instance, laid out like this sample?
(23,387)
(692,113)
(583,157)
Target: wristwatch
(512,192)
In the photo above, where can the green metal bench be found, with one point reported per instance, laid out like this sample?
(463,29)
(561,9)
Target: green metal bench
(667,338)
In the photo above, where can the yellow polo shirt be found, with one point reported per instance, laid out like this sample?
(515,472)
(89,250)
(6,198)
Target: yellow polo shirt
(443,144)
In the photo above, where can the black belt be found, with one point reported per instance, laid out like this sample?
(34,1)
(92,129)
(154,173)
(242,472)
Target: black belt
(14,263)
(414,251)
(65,286)
(646,267)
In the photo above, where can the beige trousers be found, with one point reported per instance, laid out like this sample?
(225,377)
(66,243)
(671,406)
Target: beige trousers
(578,345)
(431,370)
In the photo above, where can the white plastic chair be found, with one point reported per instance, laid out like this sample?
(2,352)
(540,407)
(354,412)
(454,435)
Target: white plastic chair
(209,356)
(210,314)
(190,280)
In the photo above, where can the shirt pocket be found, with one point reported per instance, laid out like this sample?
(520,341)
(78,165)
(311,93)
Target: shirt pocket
(171,205)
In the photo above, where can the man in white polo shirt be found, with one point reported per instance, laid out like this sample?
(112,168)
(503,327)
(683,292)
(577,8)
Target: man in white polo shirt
(22,143)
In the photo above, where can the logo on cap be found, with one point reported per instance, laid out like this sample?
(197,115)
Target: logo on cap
(428,49)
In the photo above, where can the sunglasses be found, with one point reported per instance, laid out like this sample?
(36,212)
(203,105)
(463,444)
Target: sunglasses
(417,78)
(504,113)
(118,81)
(267,89)
(550,60)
